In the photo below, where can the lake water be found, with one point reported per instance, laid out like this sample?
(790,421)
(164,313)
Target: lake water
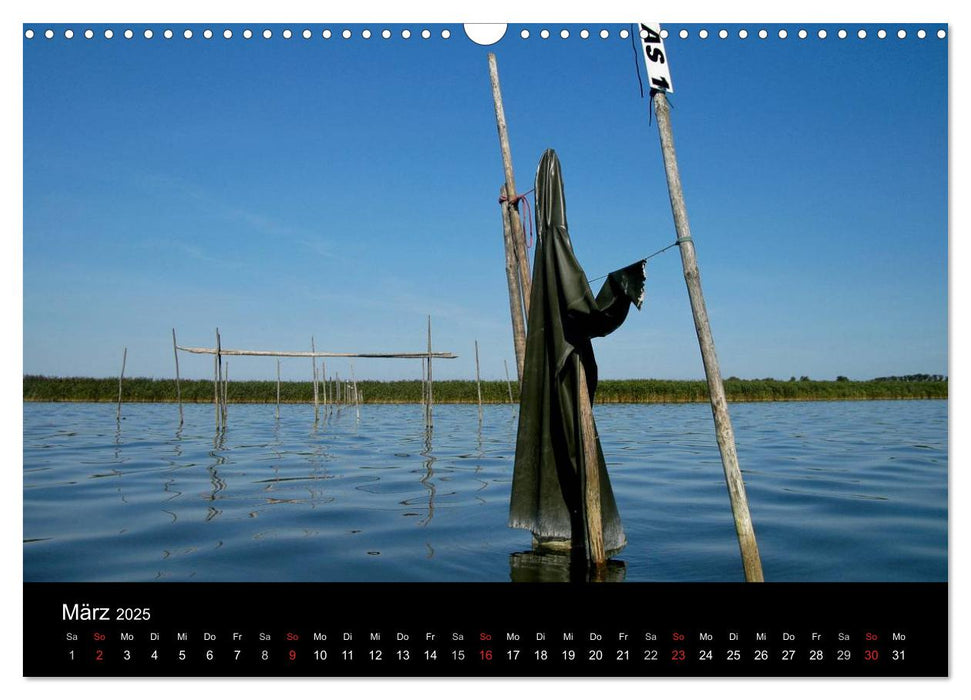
(838,491)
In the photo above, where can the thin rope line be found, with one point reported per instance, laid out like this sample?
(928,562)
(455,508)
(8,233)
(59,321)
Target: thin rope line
(657,252)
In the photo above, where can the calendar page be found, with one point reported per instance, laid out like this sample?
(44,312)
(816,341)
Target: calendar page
(320,380)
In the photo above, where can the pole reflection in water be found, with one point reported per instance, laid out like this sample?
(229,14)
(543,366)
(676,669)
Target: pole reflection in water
(215,480)
(426,480)
(479,454)
(562,567)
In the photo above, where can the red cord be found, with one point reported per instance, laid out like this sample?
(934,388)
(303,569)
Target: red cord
(515,202)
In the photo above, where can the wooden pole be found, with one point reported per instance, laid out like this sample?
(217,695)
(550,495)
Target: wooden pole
(593,517)
(357,403)
(278,388)
(313,348)
(178,384)
(124,358)
(508,383)
(219,360)
(226,393)
(424,388)
(323,375)
(430,399)
(478,383)
(225,352)
(516,226)
(215,381)
(719,405)
(514,282)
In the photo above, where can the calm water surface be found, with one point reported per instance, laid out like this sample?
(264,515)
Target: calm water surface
(839,491)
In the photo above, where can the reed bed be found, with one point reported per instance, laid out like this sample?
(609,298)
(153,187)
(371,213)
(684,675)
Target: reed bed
(150,390)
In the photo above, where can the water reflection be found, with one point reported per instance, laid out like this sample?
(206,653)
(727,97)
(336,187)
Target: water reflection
(562,567)
(426,480)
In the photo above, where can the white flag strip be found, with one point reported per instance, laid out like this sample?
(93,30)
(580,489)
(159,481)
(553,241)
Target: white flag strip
(655,58)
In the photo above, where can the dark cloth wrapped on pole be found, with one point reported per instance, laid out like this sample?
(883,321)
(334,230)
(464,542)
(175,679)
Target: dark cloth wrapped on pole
(547,489)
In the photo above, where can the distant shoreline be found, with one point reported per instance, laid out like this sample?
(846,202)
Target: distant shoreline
(616,391)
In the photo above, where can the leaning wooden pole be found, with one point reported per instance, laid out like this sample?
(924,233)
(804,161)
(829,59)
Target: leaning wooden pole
(514,282)
(516,225)
(719,405)
(178,384)
(124,358)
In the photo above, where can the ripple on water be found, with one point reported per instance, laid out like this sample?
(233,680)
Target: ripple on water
(838,492)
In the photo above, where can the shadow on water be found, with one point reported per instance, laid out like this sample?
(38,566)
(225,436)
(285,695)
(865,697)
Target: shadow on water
(562,567)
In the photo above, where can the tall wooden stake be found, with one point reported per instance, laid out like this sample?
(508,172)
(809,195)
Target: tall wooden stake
(591,474)
(178,384)
(430,400)
(719,406)
(124,358)
(516,226)
(357,403)
(478,383)
(226,393)
(424,387)
(278,388)
(313,349)
(514,282)
(220,410)
(323,381)
(215,382)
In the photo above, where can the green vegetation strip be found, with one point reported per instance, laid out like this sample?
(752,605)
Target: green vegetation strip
(146,390)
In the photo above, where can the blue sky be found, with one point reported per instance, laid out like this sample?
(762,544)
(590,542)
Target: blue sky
(346,189)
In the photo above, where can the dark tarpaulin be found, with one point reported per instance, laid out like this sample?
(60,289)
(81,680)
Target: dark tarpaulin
(547,495)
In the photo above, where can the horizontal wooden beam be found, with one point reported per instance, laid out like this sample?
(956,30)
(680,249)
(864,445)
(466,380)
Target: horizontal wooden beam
(275,353)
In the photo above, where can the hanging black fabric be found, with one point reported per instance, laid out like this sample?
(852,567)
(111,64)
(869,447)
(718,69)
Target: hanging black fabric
(564,315)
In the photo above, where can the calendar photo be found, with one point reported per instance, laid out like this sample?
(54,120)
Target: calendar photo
(510,308)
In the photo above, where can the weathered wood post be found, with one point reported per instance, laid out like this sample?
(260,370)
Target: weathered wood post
(719,406)
(424,388)
(226,393)
(220,406)
(430,399)
(278,388)
(516,225)
(323,382)
(591,474)
(478,381)
(178,384)
(313,349)
(124,358)
(215,382)
(514,283)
